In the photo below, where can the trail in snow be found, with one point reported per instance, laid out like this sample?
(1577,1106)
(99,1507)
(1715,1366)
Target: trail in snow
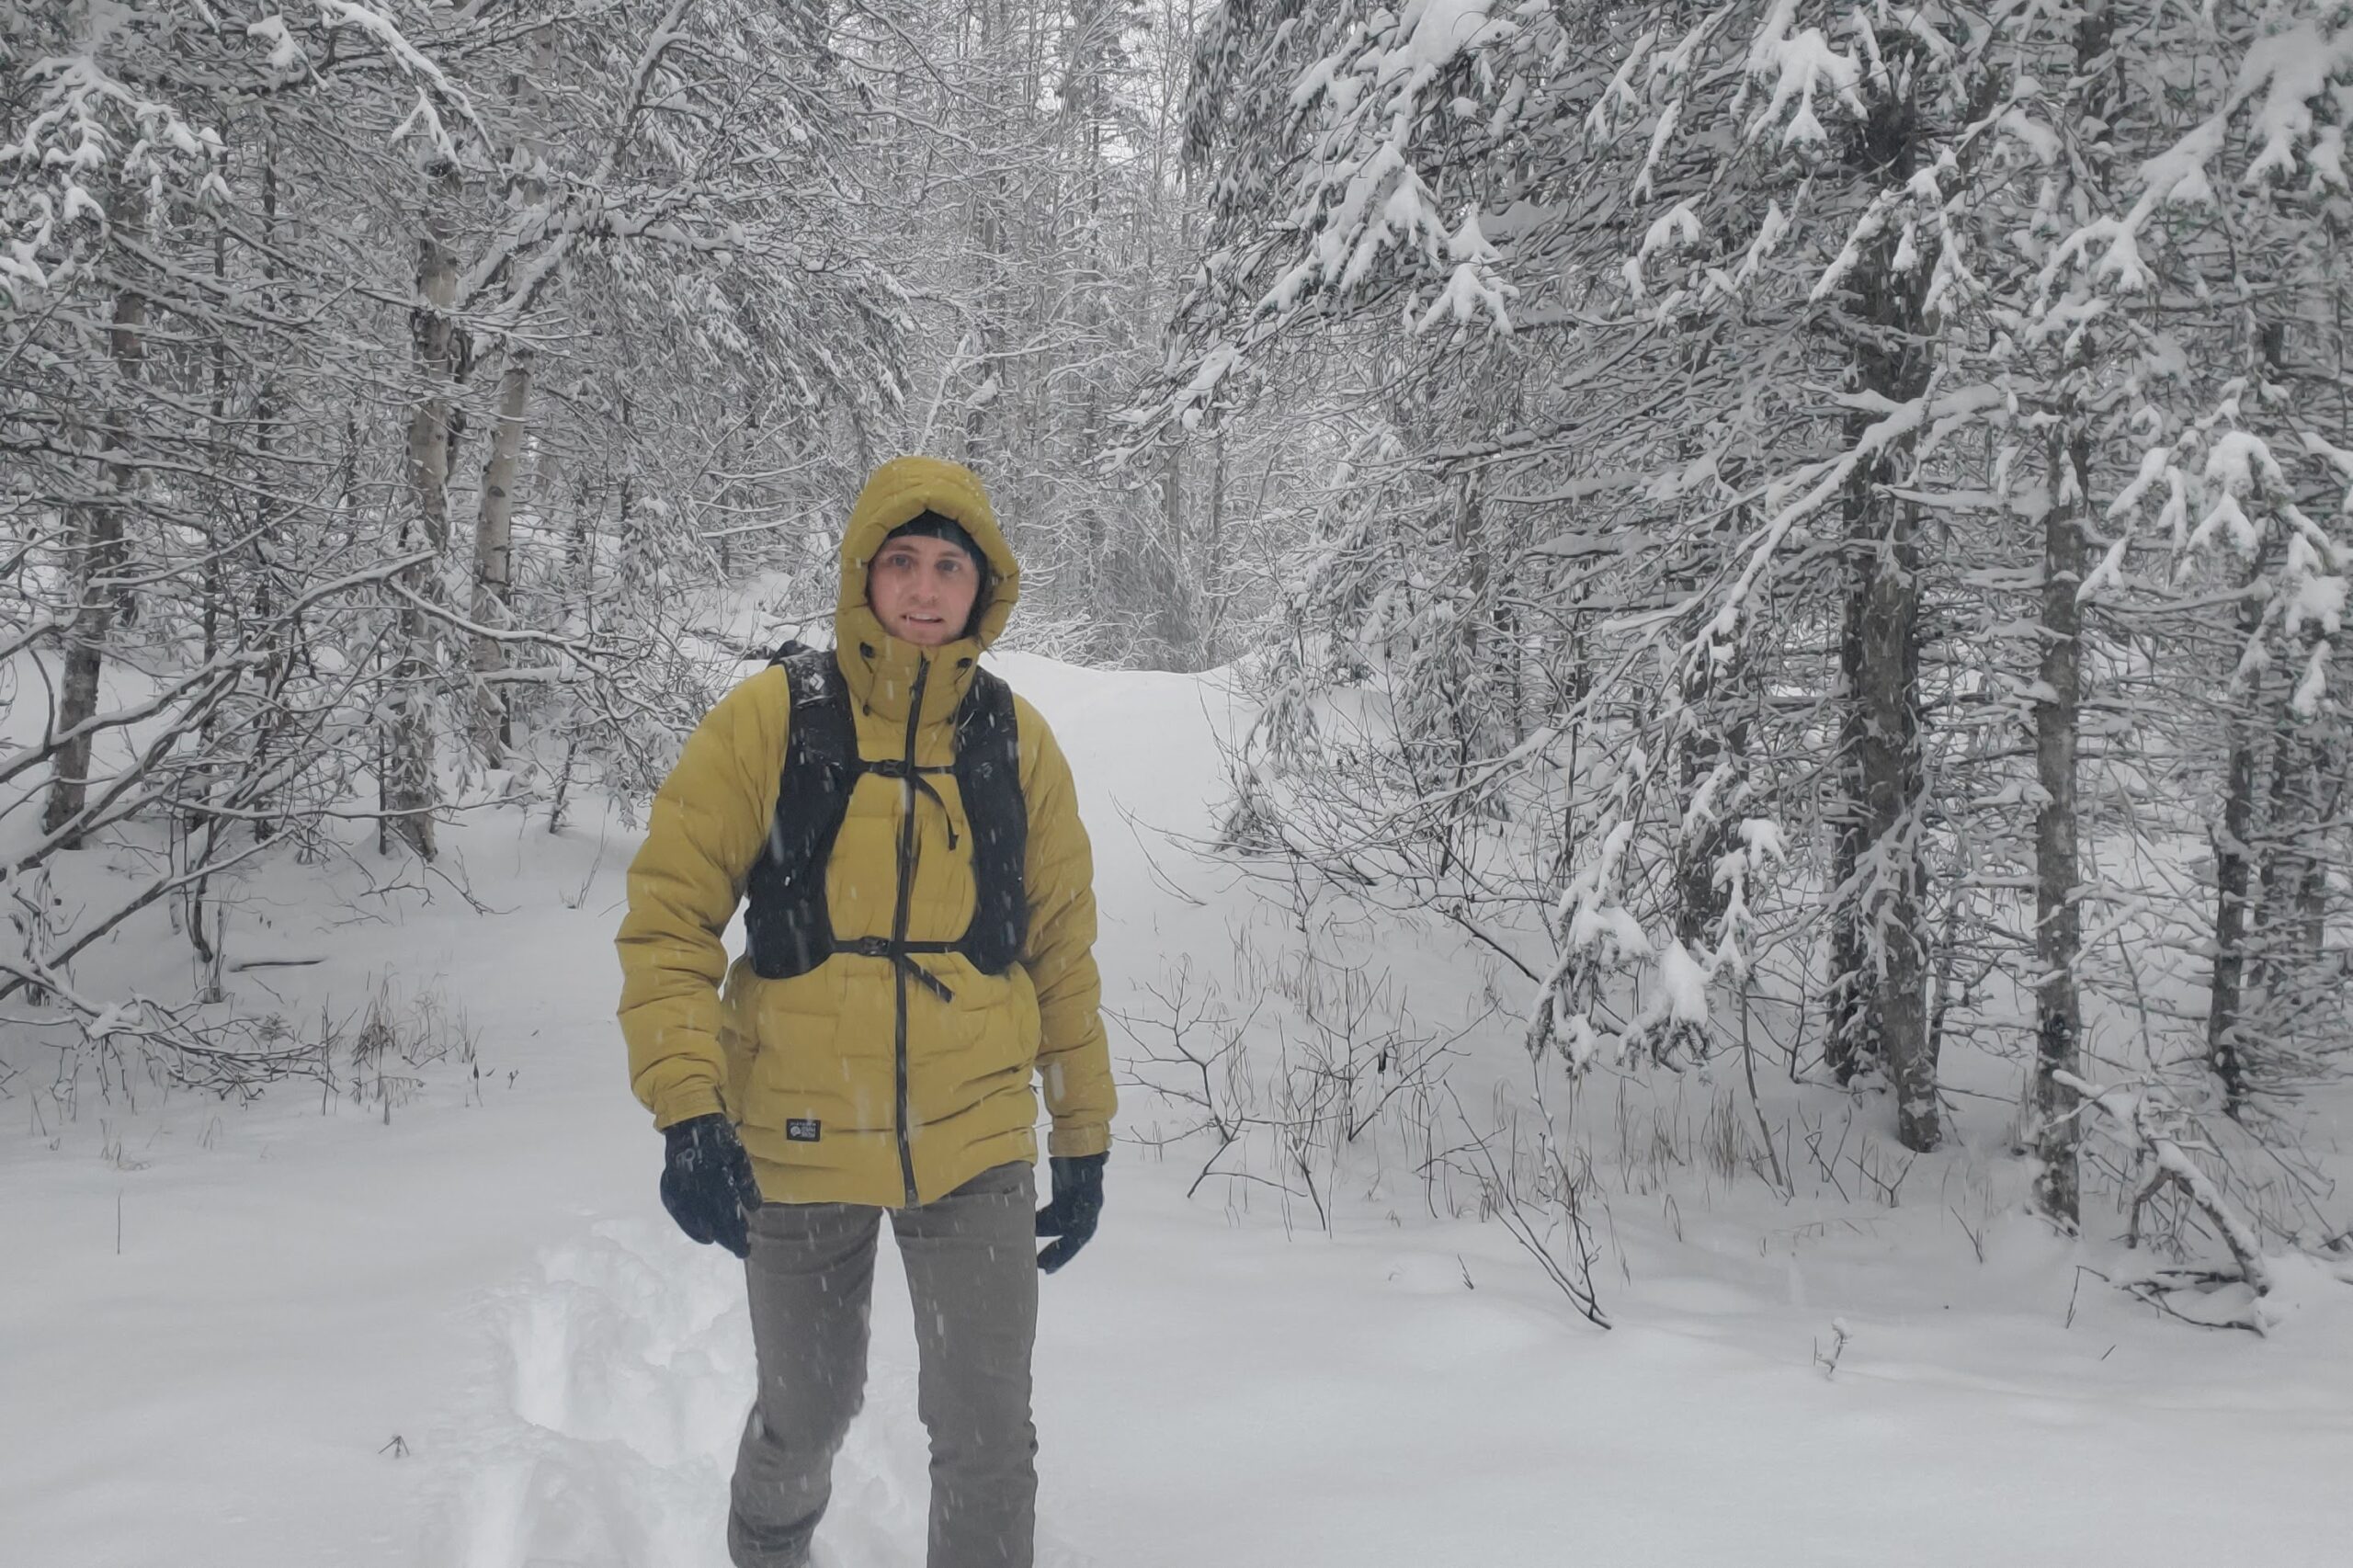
(611,1387)
(608,1390)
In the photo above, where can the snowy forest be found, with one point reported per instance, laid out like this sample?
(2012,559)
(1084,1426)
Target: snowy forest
(1716,606)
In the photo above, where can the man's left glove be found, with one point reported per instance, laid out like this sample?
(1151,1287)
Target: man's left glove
(1077,1204)
(707,1182)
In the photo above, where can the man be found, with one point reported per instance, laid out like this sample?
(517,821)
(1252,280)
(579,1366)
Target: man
(920,927)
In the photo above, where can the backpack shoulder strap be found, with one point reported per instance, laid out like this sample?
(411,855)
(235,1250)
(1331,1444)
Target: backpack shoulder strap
(821,721)
(789,929)
(988,778)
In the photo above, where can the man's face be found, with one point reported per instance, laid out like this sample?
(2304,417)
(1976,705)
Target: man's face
(922,589)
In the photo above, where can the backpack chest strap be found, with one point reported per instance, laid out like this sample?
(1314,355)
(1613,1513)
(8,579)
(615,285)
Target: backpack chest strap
(902,956)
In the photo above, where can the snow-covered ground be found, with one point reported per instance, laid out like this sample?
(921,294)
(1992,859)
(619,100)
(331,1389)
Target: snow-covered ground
(460,1329)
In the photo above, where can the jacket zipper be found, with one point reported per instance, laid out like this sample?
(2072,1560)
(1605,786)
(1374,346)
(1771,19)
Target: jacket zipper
(899,959)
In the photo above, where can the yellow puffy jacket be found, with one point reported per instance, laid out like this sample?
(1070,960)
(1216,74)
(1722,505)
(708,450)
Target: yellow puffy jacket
(892,1123)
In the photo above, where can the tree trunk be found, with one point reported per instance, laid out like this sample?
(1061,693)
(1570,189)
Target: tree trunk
(2054,1130)
(494,546)
(490,721)
(408,784)
(224,502)
(1714,742)
(1172,622)
(265,428)
(98,566)
(1888,769)
(2290,902)
(2311,935)
(1215,572)
(1850,1044)
(984,432)
(2059,1023)
(1883,1013)
(2233,867)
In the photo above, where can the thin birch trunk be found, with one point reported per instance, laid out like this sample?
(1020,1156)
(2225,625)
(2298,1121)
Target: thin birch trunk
(265,428)
(494,552)
(493,576)
(408,783)
(984,432)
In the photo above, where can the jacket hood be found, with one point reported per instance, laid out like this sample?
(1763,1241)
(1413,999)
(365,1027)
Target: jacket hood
(897,492)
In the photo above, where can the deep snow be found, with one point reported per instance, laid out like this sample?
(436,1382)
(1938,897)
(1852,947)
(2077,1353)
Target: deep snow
(309,1332)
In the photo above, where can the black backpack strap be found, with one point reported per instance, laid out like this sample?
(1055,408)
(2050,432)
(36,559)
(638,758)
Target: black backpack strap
(789,928)
(988,776)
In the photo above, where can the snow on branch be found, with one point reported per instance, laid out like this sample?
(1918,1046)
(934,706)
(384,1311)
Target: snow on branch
(1672,1028)
(2162,1140)
(2155,1129)
(1618,104)
(364,18)
(557,225)
(1762,847)
(1597,934)
(86,128)
(1361,196)
(1801,66)
(1435,32)
(425,121)
(1475,287)
(1938,413)
(1599,937)
(2281,75)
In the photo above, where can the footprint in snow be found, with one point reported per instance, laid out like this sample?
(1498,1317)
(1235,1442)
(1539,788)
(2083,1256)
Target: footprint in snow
(603,1428)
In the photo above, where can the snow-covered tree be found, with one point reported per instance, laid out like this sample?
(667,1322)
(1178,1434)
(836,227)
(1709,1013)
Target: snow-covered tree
(1832,346)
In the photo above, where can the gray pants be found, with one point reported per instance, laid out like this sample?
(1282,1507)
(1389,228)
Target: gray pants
(971,1259)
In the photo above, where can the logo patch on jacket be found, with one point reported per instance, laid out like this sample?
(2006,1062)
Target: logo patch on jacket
(802,1129)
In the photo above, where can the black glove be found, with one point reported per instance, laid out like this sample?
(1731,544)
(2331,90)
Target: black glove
(1077,1205)
(707,1182)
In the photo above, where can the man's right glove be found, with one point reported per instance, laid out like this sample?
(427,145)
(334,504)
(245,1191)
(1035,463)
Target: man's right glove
(1076,1205)
(707,1182)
